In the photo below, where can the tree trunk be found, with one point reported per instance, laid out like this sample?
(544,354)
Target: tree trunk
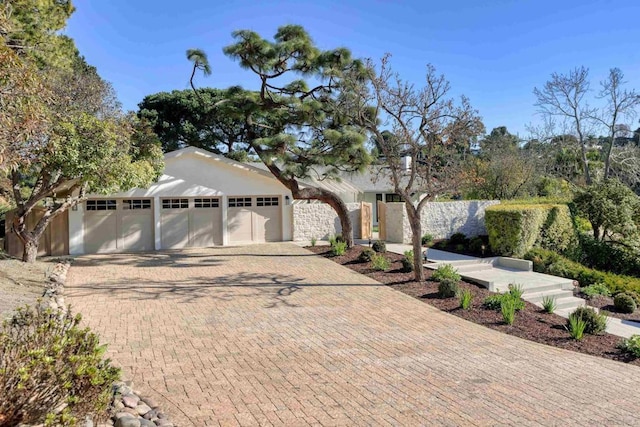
(416,240)
(30,238)
(30,251)
(312,193)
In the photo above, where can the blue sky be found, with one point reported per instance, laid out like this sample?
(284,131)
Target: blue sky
(493,51)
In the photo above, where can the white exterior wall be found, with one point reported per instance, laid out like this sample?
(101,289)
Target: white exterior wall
(440,219)
(191,173)
(320,221)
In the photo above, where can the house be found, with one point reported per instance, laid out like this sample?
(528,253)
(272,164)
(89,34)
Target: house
(202,199)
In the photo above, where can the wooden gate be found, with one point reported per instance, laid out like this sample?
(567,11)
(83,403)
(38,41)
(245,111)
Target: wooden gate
(366,220)
(382,220)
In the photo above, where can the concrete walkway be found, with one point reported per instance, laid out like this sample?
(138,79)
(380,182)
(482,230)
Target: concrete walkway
(505,276)
(274,335)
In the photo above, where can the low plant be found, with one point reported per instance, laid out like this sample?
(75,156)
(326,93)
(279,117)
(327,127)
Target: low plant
(458,238)
(508,310)
(466,297)
(427,240)
(514,296)
(332,240)
(366,255)
(407,262)
(595,323)
(460,247)
(51,370)
(380,262)
(516,290)
(595,290)
(549,304)
(445,271)
(625,303)
(442,244)
(631,345)
(338,248)
(576,326)
(314,241)
(379,246)
(476,245)
(448,288)
(492,302)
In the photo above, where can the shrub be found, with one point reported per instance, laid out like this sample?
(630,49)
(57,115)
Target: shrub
(427,240)
(407,262)
(314,241)
(624,303)
(595,323)
(379,246)
(339,239)
(460,247)
(332,240)
(516,291)
(445,271)
(595,290)
(48,362)
(380,263)
(448,288)
(515,229)
(476,245)
(576,326)
(466,297)
(631,345)
(442,244)
(607,257)
(366,255)
(549,304)
(508,310)
(492,302)
(338,248)
(458,238)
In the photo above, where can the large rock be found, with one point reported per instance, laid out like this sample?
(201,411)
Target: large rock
(128,422)
(130,400)
(142,409)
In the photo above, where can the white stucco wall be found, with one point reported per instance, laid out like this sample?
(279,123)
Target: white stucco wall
(440,219)
(319,220)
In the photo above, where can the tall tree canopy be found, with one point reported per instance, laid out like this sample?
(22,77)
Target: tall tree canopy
(292,121)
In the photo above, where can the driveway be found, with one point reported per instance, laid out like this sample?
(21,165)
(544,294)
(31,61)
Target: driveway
(274,335)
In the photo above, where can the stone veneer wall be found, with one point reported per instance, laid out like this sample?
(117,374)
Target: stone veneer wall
(319,220)
(440,219)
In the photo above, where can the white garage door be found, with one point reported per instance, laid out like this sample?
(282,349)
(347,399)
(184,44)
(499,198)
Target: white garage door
(254,219)
(190,222)
(118,225)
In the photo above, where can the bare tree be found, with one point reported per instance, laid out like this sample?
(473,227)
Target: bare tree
(563,97)
(423,125)
(621,104)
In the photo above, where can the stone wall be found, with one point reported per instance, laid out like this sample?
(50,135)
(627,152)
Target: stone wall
(320,221)
(440,219)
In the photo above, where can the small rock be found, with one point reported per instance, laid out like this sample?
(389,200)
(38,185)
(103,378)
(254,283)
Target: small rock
(124,390)
(131,411)
(118,405)
(164,423)
(130,400)
(149,401)
(150,415)
(142,409)
(119,415)
(161,415)
(146,423)
(128,422)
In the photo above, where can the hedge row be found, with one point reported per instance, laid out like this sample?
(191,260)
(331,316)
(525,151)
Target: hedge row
(549,262)
(515,229)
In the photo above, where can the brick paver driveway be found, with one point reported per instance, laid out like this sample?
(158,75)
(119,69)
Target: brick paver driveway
(271,334)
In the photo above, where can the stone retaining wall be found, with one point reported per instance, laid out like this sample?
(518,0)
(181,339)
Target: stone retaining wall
(440,219)
(320,221)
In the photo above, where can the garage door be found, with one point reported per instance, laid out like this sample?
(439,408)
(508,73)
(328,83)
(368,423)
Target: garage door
(118,225)
(254,219)
(190,222)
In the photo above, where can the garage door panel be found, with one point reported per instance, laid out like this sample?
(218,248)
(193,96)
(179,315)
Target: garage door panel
(240,225)
(268,227)
(175,230)
(205,228)
(101,232)
(137,232)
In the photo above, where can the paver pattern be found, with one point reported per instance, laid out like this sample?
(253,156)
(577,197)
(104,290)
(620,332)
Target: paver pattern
(273,335)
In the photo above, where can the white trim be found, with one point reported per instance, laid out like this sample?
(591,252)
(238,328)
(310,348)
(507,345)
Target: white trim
(157,238)
(225,222)
(76,230)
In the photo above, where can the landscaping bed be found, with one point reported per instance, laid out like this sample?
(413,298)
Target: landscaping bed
(606,303)
(20,283)
(531,322)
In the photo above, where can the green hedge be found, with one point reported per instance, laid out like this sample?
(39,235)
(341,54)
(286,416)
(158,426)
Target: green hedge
(549,262)
(516,228)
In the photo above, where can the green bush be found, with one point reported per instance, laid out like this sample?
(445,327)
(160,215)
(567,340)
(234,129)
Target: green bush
(338,248)
(515,229)
(466,297)
(460,247)
(313,241)
(608,257)
(549,304)
(448,288)
(476,245)
(631,345)
(458,239)
(549,262)
(576,326)
(407,262)
(595,323)
(339,239)
(508,310)
(427,240)
(624,303)
(445,271)
(380,263)
(442,244)
(379,246)
(366,255)
(46,362)
(595,290)
(492,302)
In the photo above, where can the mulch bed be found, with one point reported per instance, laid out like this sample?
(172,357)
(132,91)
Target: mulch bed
(531,323)
(606,304)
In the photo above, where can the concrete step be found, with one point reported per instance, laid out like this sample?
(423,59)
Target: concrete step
(539,296)
(467,268)
(565,305)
